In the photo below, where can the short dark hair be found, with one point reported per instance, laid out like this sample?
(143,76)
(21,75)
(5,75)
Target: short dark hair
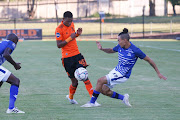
(124,34)
(68,14)
(12,37)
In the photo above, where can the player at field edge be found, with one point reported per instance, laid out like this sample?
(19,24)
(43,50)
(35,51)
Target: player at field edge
(6,48)
(128,54)
(71,57)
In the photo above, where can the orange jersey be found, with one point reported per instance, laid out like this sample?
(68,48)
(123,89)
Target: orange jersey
(62,33)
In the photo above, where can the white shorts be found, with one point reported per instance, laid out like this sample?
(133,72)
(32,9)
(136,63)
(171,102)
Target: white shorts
(114,77)
(4,74)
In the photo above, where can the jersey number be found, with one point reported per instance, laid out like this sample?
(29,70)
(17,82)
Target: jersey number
(83,62)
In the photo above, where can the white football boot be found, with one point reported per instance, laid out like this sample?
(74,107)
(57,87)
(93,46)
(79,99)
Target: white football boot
(14,110)
(88,104)
(126,100)
(97,104)
(72,101)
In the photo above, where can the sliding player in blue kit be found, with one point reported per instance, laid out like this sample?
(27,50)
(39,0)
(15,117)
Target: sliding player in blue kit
(6,48)
(128,54)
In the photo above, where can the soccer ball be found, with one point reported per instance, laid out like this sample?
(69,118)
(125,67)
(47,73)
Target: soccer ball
(81,74)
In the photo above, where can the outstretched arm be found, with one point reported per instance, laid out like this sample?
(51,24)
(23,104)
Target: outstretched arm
(8,57)
(107,50)
(151,62)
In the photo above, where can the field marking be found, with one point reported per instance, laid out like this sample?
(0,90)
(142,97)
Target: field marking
(113,41)
(155,40)
(158,40)
(103,68)
(176,50)
(160,48)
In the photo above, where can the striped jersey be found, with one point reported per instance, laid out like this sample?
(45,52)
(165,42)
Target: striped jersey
(3,45)
(127,58)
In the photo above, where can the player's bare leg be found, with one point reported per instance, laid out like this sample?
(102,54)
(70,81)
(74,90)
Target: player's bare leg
(1,84)
(101,81)
(105,90)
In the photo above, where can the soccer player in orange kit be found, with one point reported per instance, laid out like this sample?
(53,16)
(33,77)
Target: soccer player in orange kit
(71,57)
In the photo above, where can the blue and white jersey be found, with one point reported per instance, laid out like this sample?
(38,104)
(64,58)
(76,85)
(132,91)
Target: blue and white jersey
(127,58)
(3,45)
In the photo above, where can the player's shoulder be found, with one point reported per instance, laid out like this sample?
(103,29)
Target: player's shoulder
(5,42)
(60,27)
(136,50)
(134,47)
(72,23)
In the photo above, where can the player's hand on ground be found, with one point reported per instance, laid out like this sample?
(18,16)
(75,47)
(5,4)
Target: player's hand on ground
(99,45)
(17,66)
(79,31)
(161,76)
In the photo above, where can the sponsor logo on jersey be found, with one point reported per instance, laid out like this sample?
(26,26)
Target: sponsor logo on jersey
(129,54)
(58,35)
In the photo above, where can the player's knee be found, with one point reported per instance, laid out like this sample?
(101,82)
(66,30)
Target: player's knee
(16,82)
(100,81)
(75,84)
(109,93)
(105,92)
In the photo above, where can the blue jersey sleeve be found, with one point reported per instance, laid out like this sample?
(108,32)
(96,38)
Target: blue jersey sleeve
(116,48)
(140,54)
(11,45)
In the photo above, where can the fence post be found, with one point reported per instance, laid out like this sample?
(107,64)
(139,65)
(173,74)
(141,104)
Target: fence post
(171,26)
(56,8)
(143,19)
(111,32)
(131,28)
(14,23)
(151,28)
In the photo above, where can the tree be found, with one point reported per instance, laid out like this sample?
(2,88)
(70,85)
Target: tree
(152,8)
(174,2)
(30,8)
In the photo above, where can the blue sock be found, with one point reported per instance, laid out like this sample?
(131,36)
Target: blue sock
(117,96)
(13,96)
(94,96)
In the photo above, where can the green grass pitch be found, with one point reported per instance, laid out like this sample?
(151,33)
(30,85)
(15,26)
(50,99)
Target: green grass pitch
(44,84)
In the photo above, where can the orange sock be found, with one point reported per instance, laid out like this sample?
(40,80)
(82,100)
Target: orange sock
(72,91)
(89,87)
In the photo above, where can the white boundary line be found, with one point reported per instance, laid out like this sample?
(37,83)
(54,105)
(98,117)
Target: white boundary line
(160,48)
(147,40)
(149,47)
(113,41)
